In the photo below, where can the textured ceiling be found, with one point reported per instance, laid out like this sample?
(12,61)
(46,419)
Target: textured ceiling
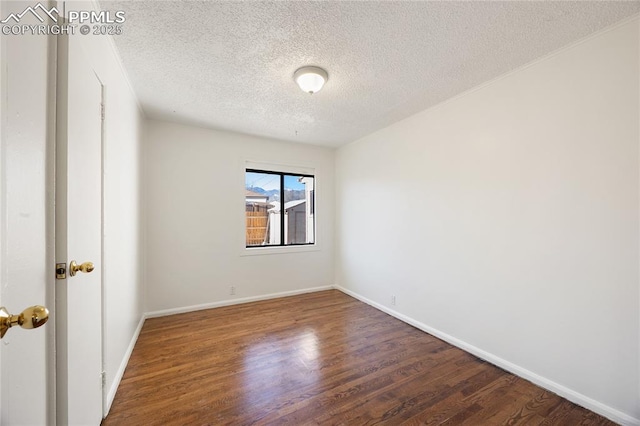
(229,65)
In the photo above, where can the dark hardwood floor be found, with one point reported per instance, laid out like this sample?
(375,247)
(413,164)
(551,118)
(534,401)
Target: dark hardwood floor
(319,358)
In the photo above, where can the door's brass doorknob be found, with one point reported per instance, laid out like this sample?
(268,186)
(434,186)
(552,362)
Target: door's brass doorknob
(32,317)
(86,267)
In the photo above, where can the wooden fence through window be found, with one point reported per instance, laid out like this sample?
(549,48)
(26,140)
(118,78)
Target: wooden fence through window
(257,224)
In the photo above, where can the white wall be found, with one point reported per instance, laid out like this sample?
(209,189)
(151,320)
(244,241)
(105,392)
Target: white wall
(507,220)
(195,222)
(122,197)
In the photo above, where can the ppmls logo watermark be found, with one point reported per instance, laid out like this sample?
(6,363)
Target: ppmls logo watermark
(40,20)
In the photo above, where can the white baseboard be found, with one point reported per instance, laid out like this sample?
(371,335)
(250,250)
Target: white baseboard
(571,395)
(123,365)
(230,302)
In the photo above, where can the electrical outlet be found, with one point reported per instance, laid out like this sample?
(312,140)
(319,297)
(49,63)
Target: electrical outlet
(393,300)
(232,290)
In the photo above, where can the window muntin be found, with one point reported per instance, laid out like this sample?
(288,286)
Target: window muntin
(267,192)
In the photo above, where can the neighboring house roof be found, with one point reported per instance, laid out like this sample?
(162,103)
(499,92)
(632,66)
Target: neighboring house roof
(288,205)
(275,208)
(293,203)
(250,193)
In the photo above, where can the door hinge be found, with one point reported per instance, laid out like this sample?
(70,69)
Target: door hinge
(61,271)
(104,378)
(102,111)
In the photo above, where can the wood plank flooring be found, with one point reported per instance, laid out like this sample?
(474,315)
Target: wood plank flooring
(320,358)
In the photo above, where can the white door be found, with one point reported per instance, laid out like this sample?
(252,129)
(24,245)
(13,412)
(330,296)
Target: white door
(31,242)
(78,238)
(26,220)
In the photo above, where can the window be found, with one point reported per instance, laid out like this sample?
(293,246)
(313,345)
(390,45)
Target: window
(279,208)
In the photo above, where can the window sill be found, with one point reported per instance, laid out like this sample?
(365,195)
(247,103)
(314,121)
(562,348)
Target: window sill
(262,251)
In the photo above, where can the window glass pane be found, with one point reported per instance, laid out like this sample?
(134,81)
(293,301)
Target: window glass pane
(299,225)
(262,208)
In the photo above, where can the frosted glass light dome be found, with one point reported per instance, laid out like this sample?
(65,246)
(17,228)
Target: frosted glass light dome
(310,79)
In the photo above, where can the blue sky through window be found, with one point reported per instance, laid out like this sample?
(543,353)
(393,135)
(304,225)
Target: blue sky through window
(261,180)
(291,182)
(268,181)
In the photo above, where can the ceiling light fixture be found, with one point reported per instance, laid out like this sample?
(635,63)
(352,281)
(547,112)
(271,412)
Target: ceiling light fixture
(310,79)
